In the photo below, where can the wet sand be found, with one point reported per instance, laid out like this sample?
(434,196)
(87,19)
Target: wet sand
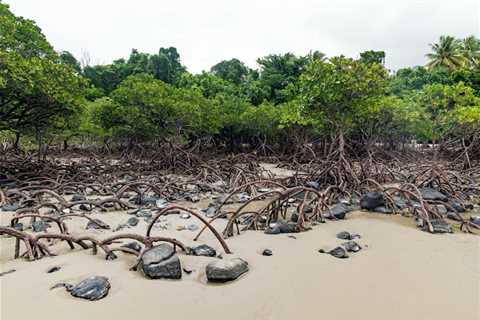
(402,273)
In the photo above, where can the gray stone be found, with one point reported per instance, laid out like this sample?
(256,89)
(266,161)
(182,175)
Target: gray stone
(39,226)
(11,207)
(93,288)
(432,194)
(475,220)
(439,226)
(97,224)
(193,227)
(204,250)
(383,209)
(345,235)
(161,262)
(267,252)
(133,221)
(338,252)
(441,209)
(226,269)
(78,197)
(372,200)
(352,246)
(453,216)
(281,227)
(135,246)
(339,211)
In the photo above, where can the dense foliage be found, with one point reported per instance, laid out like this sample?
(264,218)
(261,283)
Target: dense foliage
(152,97)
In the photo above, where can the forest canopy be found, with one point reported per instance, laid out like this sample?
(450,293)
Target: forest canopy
(49,96)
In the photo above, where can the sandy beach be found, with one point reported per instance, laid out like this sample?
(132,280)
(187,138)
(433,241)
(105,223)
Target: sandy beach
(401,273)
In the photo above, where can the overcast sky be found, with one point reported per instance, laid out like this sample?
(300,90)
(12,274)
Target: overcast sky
(208,31)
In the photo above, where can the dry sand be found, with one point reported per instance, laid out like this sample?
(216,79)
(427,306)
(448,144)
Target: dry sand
(402,273)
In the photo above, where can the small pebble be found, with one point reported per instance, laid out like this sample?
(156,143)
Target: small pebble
(267,252)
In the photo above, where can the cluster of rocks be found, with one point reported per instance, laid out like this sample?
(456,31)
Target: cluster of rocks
(341,252)
(161,262)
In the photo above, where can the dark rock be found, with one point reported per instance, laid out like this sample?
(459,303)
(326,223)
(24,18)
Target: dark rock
(345,235)
(383,209)
(78,197)
(294,217)
(338,252)
(144,201)
(432,194)
(53,269)
(84,207)
(11,207)
(111,256)
(441,209)
(439,226)
(39,226)
(226,269)
(97,224)
(459,207)
(339,211)
(133,221)
(7,183)
(187,271)
(453,216)
(267,252)
(312,184)
(192,197)
(204,250)
(143,214)
(475,220)
(94,288)
(281,227)
(161,262)
(19,226)
(400,203)
(135,246)
(352,246)
(372,200)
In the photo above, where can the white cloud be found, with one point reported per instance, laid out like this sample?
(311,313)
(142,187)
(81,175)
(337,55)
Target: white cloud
(206,32)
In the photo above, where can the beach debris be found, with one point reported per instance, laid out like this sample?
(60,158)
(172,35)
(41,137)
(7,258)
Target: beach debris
(7,272)
(19,226)
(372,200)
(193,227)
(93,288)
(226,269)
(338,252)
(161,262)
(292,237)
(352,246)
(204,250)
(267,253)
(53,269)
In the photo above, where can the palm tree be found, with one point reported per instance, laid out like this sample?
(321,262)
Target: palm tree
(471,51)
(447,53)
